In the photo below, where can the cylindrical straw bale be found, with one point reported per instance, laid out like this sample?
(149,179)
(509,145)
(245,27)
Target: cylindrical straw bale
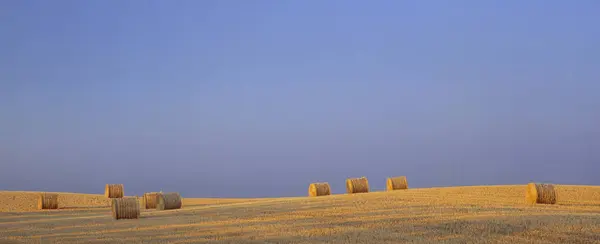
(166,201)
(319,189)
(540,193)
(114,191)
(48,201)
(357,185)
(125,208)
(397,183)
(151,199)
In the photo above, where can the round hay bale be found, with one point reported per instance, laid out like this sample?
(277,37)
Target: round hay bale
(48,201)
(114,191)
(540,193)
(151,199)
(125,208)
(357,185)
(319,189)
(166,201)
(397,183)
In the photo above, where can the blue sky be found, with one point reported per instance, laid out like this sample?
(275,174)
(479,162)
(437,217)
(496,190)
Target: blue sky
(261,98)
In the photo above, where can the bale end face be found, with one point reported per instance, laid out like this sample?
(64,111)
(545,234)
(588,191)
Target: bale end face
(357,185)
(48,201)
(319,189)
(540,194)
(397,183)
(125,208)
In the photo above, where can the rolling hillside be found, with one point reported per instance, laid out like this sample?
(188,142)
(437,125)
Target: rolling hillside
(476,214)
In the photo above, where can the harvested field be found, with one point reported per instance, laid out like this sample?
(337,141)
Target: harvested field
(477,214)
(22,201)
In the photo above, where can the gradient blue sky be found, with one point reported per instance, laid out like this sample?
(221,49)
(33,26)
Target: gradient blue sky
(261,98)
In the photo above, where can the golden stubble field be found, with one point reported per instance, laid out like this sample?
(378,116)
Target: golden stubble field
(476,214)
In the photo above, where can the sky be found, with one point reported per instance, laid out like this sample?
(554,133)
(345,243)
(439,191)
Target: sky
(262,98)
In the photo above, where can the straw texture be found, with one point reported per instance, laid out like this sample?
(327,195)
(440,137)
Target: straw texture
(114,191)
(125,208)
(151,199)
(540,193)
(48,201)
(357,185)
(319,189)
(166,201)
(397,183)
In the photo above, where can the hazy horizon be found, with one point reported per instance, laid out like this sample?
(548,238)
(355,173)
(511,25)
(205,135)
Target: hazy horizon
(262,98)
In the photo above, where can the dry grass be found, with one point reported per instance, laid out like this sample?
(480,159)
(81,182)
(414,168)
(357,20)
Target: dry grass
(396,183)
(319,189)
(22,201)
(478,214)
(357,185)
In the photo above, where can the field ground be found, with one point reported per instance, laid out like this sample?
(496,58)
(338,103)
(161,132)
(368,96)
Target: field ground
(476,214)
